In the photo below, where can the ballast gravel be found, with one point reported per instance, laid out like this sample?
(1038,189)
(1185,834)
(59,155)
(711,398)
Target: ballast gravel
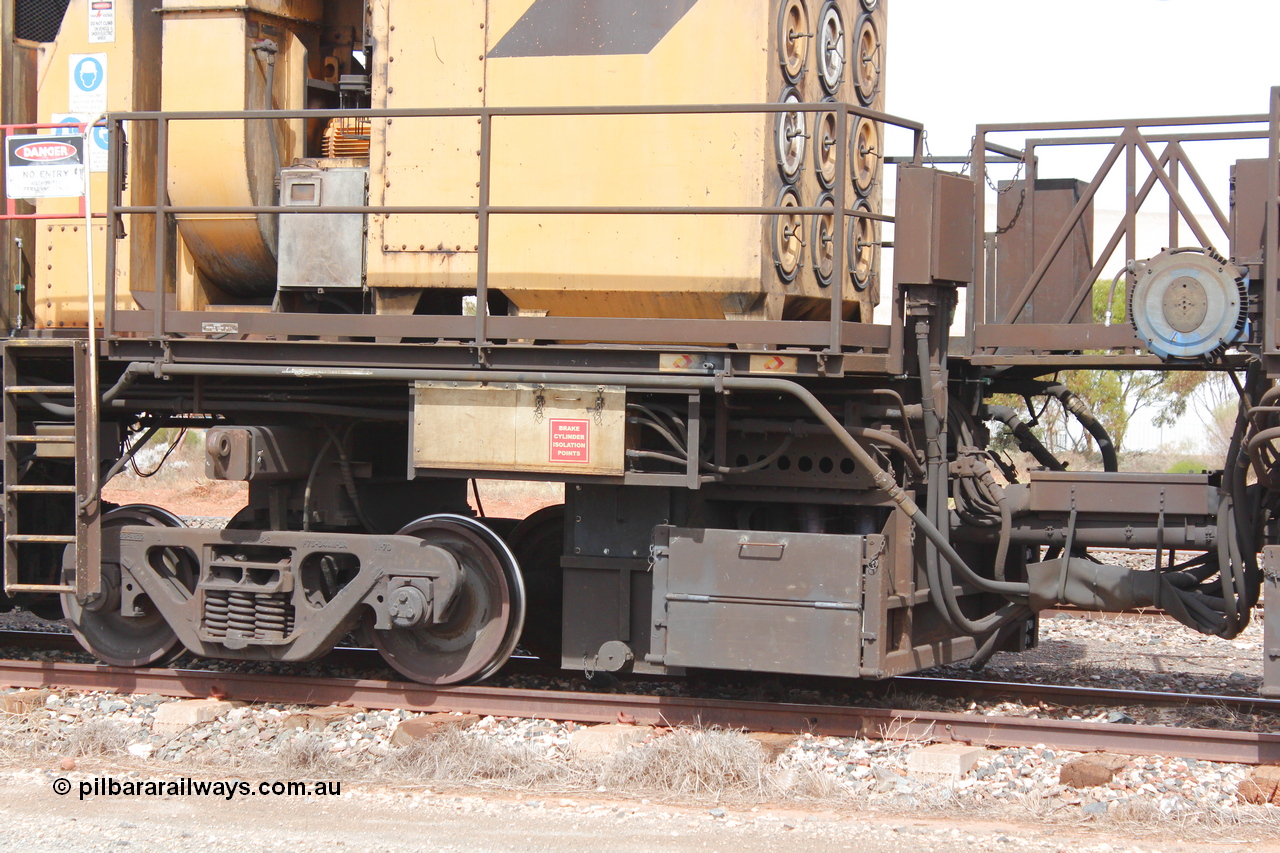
(350,741)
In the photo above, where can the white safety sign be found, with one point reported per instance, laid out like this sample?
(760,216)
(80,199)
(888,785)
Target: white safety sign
(102,21)
(98,142)
(87,89)
(44,166)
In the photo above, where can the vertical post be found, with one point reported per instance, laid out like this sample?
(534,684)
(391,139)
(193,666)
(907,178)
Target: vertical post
(113,202)
(838,265)
(977,307)
(9,500)
(89,496)
(1270,688)
(1130,209)
(693,466)
(1029,213)
(162,242)
(88,502)
(482,248)
(1271,242)
(1174,175)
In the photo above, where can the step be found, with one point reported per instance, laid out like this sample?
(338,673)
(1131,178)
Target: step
(41,389)
(39,587)
(40,439)
(40,538)
(42,490)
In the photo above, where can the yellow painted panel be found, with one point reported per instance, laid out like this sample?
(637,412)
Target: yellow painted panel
(59,300)
(208,66)
(60,288)
(434,60)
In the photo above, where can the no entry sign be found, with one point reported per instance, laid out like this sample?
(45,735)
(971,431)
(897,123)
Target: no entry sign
(44,166)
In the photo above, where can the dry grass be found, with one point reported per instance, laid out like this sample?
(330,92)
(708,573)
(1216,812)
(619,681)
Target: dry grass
(306,754)
(694,762)
(454,756)
(97,739)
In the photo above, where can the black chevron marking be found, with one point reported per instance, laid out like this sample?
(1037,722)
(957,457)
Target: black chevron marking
(591,27)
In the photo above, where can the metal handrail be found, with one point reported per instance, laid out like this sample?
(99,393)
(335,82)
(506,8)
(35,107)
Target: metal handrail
(1132,141)
(483,209)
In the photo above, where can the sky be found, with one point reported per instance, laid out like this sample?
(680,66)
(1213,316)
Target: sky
(953,65)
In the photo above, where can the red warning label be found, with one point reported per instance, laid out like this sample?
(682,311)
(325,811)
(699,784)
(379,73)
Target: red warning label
(570,441)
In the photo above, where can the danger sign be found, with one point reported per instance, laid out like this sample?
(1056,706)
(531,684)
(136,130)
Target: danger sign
(570,441)
(44,166)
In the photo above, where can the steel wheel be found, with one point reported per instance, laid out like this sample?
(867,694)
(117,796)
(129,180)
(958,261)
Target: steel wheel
(538,543)
(484,621)
(112,638)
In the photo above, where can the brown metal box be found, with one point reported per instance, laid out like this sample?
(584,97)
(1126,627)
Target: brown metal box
(760,601)
(934,238)
(1018,255)
(1248,210)
(1121,492)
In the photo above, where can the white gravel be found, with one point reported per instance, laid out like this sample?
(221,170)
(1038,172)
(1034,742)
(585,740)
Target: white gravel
(865,772)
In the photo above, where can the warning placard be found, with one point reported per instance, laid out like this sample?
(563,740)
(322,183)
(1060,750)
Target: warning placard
(87,88)
(44,166)
(102,21)
(98,141)
(570,441)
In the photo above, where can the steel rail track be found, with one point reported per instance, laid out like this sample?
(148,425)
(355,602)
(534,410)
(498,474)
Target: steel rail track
(953,688)
(875,723)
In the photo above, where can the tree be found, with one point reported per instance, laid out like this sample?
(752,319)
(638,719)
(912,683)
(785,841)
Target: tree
(1117,396)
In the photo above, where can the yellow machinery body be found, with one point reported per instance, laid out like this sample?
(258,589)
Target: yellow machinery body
(195,55)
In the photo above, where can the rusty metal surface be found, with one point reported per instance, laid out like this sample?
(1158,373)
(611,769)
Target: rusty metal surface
(876,723)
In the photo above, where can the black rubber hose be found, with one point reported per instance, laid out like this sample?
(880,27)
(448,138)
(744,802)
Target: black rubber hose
(1027,440)
(939,576)
(1082,413)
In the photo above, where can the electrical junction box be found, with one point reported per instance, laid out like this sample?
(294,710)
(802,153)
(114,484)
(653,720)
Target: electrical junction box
(322,251)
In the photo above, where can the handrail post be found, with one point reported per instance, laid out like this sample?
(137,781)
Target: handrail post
(1271,246)
(1130,215)
(838,271)
(162,243)
(114,133)
(482,247)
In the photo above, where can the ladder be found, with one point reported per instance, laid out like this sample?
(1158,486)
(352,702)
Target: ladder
(22,359)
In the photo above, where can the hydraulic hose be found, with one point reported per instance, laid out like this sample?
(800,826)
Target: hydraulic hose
(1082,413)
(1027,440)
(939,576)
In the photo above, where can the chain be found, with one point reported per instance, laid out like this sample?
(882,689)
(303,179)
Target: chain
(597,413)
(538,403)
(1022,200)
(986,176)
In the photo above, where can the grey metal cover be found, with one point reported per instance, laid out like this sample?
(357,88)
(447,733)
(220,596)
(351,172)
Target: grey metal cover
(322,250)
(763,601)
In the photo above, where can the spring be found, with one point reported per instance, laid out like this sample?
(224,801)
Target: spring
(273,615)
(240,613)
(215,612)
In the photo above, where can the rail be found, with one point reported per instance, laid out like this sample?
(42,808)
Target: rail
(160,322)
(1001,325)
